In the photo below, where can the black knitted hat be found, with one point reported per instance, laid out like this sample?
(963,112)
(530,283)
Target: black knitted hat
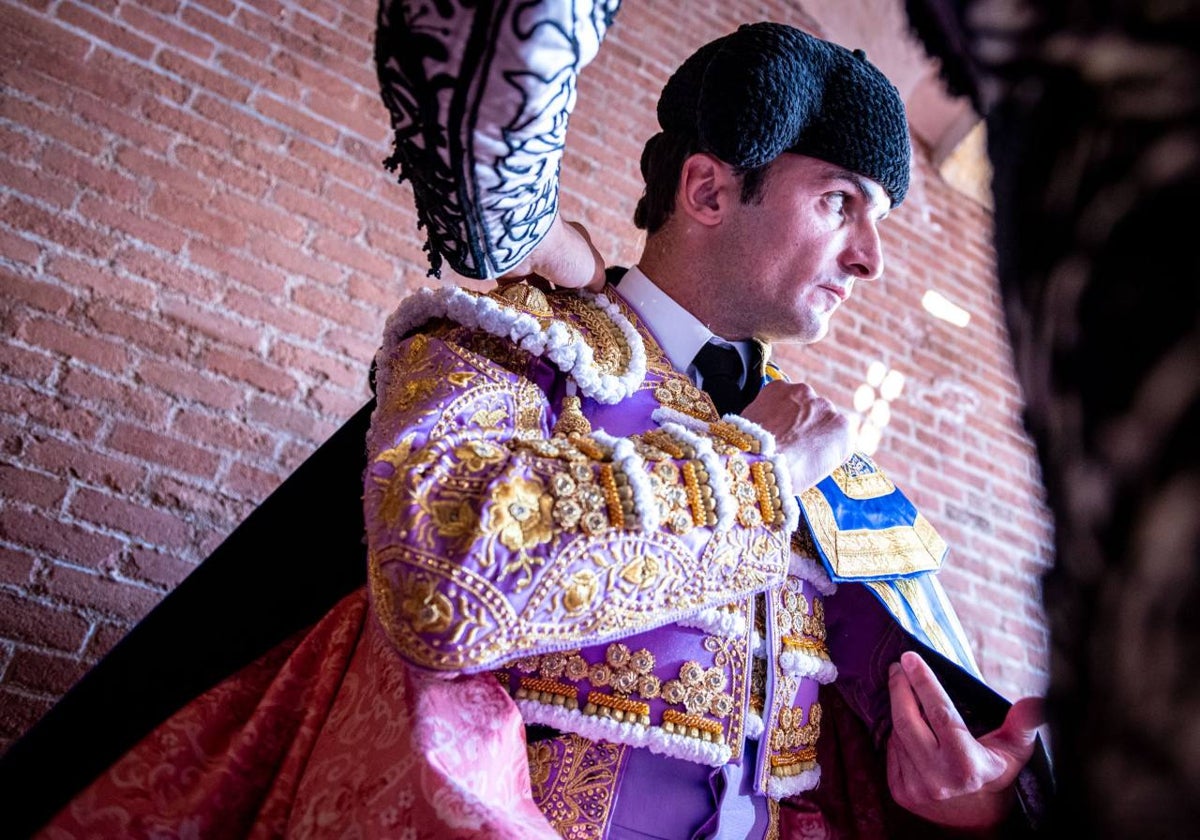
(769,88)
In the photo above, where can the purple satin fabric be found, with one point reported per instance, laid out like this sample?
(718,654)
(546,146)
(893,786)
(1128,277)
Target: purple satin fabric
(670,799)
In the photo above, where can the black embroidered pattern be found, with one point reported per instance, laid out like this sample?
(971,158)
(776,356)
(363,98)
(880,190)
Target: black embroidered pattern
(480,94)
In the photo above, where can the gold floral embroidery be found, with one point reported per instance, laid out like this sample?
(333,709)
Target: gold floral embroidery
(574,783)
(744,491)
(475,455)
(580,591)
(796,616)
(523,296)
(520,514)
(486,419)
(578,501)
(427,609)
(793,744)
(678,393)
(699,690)
(624,671)
(454,519)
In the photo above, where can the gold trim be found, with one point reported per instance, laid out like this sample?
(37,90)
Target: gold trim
(902,550)
(694,726)
(870,485)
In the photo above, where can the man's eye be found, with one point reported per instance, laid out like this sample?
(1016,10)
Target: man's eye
(837,201)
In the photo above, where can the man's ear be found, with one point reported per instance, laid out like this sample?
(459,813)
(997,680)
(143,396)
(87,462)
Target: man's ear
(706,188)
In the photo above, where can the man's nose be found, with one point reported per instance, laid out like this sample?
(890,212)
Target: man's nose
(864,253)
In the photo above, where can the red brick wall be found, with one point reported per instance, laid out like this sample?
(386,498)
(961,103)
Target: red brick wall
(199,247)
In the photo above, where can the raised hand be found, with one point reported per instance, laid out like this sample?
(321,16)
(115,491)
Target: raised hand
(565,257)
(936,768)
(809,431)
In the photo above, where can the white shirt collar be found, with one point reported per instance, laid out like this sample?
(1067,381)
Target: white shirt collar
(678,331)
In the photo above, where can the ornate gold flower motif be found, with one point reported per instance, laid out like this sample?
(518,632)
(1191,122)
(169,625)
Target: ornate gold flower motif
(426,608)
(699,690)
(454,519)
(477,454)
(520,514)
(580,591)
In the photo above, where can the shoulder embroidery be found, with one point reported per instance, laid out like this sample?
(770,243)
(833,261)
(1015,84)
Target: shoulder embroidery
(582,334)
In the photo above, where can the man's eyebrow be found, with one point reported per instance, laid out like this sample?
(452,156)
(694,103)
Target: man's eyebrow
(860,184)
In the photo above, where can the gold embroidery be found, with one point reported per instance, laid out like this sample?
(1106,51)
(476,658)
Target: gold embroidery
(793,744)
(547,691)
(578,500)
(520,514)
(612,496)
(866,553)
(699,690)
(744,492)
(641,572)
(475,455)
(795,617)
(734,436)
(661,440)
(620,709)
(427,609)
(486,419)
(677,392)
(859,478)
(574,781)
(524,297)
(571,420)
(693,726)
(580,591)
(610,350)
(915,596)
(454,519)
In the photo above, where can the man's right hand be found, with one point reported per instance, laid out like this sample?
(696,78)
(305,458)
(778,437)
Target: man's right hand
(810,433)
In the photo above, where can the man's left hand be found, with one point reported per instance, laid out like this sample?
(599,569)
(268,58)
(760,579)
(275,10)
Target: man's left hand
(936,768)
(565,258)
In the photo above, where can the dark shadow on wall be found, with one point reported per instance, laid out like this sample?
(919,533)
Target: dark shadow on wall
(1091,111)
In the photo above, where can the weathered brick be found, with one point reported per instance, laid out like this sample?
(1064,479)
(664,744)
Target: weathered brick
(157,448)
(27,487)
(250,370)
(75,345)
(31,620)
(113,512)
(85,464)
(99,594)
(49,673)
(189,382)
(63,541)
(156,567)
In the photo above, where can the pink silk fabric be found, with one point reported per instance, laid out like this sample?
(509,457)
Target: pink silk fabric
(328,735)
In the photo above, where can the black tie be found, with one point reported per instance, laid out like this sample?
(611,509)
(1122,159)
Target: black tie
(721,366)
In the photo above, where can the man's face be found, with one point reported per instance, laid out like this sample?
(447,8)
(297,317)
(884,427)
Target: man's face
(792,258)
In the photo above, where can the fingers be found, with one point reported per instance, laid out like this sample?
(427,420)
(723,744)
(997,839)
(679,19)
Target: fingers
(909,724)
(565,258)
(1020,728)
(598,276)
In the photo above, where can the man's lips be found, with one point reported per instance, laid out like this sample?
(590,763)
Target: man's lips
(840,292)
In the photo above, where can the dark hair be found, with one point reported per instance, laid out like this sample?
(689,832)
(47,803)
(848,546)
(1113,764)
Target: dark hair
(662,161)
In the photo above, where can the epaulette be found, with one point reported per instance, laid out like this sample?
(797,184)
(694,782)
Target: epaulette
(866,529)
(584,335)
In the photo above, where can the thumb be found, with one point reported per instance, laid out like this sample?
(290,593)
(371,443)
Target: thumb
(1021,724)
